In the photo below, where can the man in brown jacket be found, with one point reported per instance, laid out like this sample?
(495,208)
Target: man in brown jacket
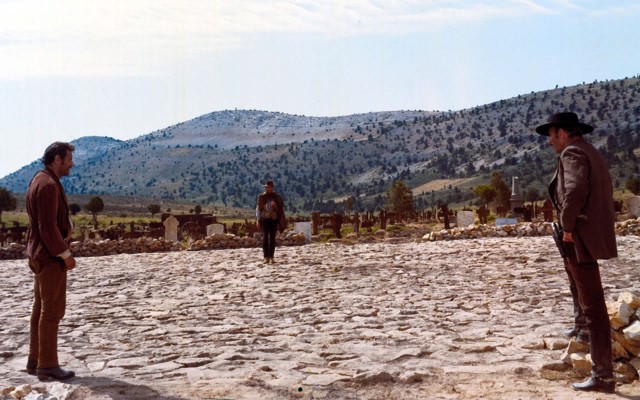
(270,218)
(49,259)
(582,193)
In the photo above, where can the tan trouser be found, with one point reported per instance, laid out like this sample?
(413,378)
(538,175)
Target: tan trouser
(50,291)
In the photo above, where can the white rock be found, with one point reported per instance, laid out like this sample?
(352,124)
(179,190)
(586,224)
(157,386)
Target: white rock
(629,298)
(619,313)
(632,333)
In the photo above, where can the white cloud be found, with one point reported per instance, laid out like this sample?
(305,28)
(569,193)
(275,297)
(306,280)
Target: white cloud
(125,37)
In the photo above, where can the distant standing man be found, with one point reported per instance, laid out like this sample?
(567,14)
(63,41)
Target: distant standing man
(49,259)
(270,217)
(582,194)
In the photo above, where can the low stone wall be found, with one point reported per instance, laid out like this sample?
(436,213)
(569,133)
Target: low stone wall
(624,228)
(13,252)
(94,248)
(107,247)
(624,315)
(97,248)
(228,241)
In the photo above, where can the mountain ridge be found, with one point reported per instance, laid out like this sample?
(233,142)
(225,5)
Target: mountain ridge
(223,157)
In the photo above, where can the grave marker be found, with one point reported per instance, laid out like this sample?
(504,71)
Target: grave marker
(303,227)
(633,205)
(215,229)
(171,229)
(464,219)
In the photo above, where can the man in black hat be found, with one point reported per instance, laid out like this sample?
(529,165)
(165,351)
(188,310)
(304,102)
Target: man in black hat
(582,193)
(270,218)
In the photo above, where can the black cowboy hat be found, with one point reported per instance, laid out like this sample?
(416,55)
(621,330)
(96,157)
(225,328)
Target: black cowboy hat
(268,183)
(563,120)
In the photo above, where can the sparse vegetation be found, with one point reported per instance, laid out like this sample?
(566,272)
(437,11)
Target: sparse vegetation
(153,209)
(485,193)
(74,208)
(400,199)
(94,206)
(223,158)
(7,201)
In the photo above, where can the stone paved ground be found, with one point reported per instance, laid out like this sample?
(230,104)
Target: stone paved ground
(441,320)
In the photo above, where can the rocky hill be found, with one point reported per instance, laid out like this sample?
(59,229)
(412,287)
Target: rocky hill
(224,157)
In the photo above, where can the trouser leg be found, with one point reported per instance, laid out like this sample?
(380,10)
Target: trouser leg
(34,341)
(48,310)
(265,238)
(269,230)
(579,318)
(592,302)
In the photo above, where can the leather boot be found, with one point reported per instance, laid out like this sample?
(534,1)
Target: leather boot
(596,384)
(31,367)
(583,337)
(56,373)
(569,333)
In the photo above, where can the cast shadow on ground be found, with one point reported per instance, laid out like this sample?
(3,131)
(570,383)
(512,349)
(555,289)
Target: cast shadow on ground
(630,397)
(119,390)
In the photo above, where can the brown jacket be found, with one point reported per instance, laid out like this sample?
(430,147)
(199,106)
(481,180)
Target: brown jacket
(263,198)
(582,193)
(49,223)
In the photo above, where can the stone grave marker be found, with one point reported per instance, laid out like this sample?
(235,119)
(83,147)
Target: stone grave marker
(633,205)
(171,229)
(516,196)
(303,227)
(506,221)
(215,229)
(464,219)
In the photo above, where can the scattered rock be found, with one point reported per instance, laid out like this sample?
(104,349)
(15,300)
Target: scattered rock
(581,363)
(373,377)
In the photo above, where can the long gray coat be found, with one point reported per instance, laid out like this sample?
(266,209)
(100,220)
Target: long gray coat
(582,193)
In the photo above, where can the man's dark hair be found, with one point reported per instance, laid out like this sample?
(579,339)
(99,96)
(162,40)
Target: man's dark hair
(56,149)
(573,130)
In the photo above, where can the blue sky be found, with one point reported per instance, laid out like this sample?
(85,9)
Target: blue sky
(124,68)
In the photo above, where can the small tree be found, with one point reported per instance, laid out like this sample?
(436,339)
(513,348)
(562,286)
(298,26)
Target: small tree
(153,209)
(74,208)
(486,193)
(7,201)
(197,209)
(94,206)
(532,195)
(349,202)
(400,198)
(503,194)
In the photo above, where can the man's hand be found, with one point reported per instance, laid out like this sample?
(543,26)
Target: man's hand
(69,263)
(567,237)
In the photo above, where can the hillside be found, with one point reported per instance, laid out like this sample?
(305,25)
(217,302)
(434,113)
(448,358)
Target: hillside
(224,157)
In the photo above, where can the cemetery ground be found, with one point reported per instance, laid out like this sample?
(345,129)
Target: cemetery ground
(462,319)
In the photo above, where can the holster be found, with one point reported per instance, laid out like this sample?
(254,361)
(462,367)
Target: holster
(557,237)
